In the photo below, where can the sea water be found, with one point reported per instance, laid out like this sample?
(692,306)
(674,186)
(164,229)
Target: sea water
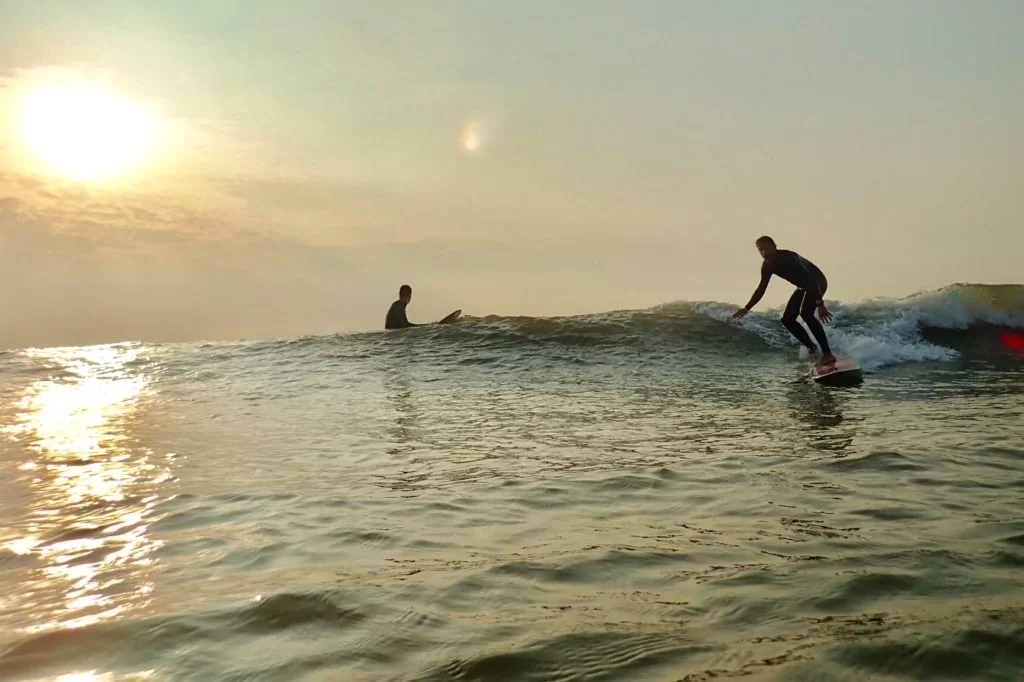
(640,495)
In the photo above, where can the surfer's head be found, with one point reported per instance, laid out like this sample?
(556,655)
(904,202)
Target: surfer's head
(766,245)
(405,293)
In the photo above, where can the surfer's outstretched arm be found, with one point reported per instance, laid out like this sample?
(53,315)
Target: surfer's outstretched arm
(817,295)
(766,275)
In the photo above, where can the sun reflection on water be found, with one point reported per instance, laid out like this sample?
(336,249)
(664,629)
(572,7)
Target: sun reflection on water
(106,677)
(92,488)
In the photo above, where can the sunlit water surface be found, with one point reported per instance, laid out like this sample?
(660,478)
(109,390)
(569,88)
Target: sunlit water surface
(423,506)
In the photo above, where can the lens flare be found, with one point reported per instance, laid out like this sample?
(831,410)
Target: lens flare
(1014,341)
(472,138)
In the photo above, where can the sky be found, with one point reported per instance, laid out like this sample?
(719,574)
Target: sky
(527,158)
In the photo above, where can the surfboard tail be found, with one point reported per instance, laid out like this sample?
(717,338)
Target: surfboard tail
(843,371)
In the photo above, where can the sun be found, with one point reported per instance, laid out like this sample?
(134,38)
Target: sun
(83,132)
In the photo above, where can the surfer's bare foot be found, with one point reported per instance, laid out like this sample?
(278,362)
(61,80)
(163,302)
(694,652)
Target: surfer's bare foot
(828,359)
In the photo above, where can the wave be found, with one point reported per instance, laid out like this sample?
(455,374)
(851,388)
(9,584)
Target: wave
(877,332)
(885,331)
(958,320)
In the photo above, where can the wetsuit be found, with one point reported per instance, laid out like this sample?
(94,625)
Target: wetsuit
(396,316)
(810,285)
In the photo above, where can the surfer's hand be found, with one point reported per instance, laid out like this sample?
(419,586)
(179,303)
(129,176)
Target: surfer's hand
(824,314)
(738,315)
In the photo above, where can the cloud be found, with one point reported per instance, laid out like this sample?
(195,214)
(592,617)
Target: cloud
(108,212)
(80,286)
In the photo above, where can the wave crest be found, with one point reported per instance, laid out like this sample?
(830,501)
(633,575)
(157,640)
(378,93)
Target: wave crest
(877,332)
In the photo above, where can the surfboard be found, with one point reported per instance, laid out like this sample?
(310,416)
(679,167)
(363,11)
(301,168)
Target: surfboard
(845,372)
(450,317)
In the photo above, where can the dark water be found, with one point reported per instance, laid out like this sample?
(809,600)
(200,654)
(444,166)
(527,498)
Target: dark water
(655,495)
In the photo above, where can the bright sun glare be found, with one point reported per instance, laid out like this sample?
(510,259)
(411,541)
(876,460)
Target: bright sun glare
(84,133)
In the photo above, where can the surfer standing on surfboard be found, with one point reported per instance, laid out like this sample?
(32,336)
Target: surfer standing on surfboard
(809,295)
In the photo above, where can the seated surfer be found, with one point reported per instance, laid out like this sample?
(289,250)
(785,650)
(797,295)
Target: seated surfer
(396,318)
(809,295)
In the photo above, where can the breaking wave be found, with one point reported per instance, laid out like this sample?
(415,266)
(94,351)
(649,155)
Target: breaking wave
(877,332)
(957,321)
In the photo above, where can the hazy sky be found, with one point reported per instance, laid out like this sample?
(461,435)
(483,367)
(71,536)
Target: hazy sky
(505,158)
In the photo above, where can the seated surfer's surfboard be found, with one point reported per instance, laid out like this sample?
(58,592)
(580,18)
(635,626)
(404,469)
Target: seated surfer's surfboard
(844,372)
(451,317)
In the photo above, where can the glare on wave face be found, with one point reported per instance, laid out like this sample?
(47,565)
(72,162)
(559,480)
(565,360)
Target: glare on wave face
(84,133)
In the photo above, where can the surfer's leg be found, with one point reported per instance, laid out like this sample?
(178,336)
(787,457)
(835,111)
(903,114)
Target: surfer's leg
(789,319)
(807,313)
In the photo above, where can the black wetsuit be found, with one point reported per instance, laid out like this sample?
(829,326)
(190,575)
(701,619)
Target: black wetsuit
(810,285)
(396,316)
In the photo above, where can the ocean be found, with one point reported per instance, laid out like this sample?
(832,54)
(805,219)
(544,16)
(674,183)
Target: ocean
(659,494)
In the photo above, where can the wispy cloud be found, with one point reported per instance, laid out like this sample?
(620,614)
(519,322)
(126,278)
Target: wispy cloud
(105,213)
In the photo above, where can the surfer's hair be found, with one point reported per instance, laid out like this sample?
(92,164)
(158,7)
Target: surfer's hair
(765,241)
(404,290)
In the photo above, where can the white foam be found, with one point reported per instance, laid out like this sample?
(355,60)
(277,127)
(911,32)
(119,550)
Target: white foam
(888,331)
(885,332)
(885,343)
